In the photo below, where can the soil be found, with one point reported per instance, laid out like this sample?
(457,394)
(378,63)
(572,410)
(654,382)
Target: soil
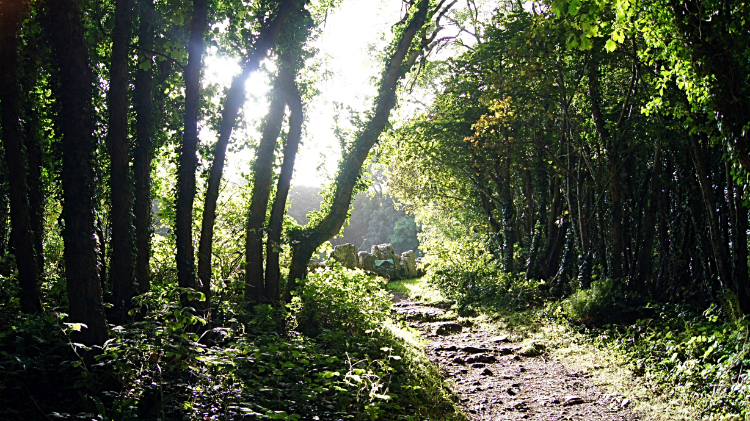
(496,379)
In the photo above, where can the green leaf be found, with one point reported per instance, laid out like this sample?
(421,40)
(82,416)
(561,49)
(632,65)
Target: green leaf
(610,45)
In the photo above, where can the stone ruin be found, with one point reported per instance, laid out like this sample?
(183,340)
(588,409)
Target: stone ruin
(377,261)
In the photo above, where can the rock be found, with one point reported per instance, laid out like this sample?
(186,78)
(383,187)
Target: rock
(504,351)
(366,261)
(382,252)
(486,372)
(481,358)
(312,265)
(625,403)
(346,255)
(458,360)
(410,264)
(499,339)
(474,350)
(533,350)
(448,328)
(572,400)
(477,365)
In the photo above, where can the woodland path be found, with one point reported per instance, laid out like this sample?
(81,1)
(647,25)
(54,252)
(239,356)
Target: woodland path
(496,379)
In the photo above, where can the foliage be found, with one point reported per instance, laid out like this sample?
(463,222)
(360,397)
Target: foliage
(358,367)
(325,297)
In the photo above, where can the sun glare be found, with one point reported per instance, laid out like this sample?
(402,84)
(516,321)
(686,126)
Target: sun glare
(346,47)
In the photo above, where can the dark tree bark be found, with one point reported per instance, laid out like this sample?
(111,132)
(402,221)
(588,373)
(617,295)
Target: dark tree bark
(275,223)
(262,178)
(613,159)
(401,60)
(65,30)
(188,157)
(235,100)
(10,105)
(718,243)
(739,238)
(645,266)
(123,248)
(144,144)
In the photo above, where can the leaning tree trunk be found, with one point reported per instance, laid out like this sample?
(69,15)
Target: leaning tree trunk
(15,158)
(65,31)
(123,248)
(262,178)
(144,144)
(235,101)
(188,158)
(399,63)
(275,223)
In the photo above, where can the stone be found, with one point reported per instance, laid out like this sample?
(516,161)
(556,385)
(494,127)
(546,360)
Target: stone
(366,261)
(410,264)
(486,372)
(382,252)
(572,400)
(313,264)
(474,350)
(448,328)
(346,255)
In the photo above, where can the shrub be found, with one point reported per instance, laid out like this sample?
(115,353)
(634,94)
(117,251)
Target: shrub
(340,299)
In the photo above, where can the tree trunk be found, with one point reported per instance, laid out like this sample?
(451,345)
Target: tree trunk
(350,169)
(613,159)
(262,178)
(645,269)
(144,144)
(65,31)
(739,239)
(235,101)
(10,102)
(123,248)
(718,243)
(275,223)
(188,158)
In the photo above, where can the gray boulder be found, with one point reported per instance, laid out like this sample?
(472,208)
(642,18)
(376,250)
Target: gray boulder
(346,255)
(410,264)
(366,261)
(383,252)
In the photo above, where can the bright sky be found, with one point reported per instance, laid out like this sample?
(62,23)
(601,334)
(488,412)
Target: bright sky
(344,44)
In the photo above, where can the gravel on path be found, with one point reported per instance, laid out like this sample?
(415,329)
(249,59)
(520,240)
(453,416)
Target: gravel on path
(496,379)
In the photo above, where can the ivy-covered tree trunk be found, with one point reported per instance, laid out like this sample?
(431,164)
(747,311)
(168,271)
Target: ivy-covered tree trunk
(275,223)
(188,152)
(262,179)
(10,105)
(399,62)
(235,100)
(123,248)
(144,145)
(65,31)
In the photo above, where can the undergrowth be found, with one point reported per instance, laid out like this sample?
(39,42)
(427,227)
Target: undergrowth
(332,355)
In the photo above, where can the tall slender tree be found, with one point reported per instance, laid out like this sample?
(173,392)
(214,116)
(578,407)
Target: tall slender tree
(235,100)
(74,93)
(188,160)
(27,255)
(123,248)
(402,56)
(144,144)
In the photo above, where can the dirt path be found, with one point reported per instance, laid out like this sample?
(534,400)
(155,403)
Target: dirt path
(496,379)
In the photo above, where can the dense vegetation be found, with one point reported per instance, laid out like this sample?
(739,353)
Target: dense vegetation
(584,161)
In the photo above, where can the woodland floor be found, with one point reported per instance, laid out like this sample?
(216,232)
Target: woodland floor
(496,379)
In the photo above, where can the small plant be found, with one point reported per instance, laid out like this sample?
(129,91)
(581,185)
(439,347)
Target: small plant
(595,306)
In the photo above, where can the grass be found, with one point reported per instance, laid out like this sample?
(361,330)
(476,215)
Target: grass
(418,290)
